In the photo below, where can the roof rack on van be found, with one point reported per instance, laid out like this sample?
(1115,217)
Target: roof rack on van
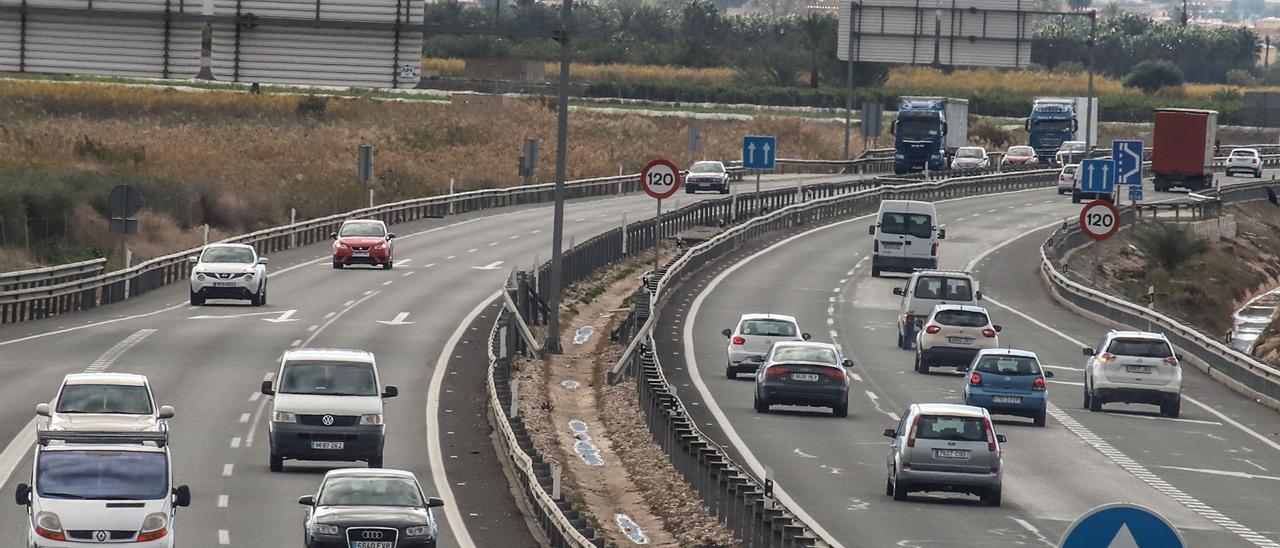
(160,439)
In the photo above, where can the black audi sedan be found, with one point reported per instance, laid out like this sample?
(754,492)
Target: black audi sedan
(369,508)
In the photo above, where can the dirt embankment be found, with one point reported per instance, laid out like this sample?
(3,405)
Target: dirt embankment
(597,432)
(1209,287)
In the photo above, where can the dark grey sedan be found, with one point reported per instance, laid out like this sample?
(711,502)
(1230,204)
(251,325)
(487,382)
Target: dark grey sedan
(369,508)
(803,373)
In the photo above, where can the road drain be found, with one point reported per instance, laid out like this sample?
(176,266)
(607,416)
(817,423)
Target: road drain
(630,528)
(571,385)
(586,449)
(583,334)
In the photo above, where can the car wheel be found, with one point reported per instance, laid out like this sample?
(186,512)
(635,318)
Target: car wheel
(1257,174)
(277,463)
(375,462)
(1095,403)
(902,343)
(387,265)
(1039,418)
(1086,396)
(991,497)
(196,299)
(915,364)
(725,190)
(688,190)
(337,265)
(1171,409)
(875,271)
(888,486)
(900,490)
(841,410)
(729,373)
(1075,197)
(762,406)
(924,364)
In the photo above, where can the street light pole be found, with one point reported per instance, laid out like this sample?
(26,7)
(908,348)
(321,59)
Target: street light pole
(1088,131)
(562,142)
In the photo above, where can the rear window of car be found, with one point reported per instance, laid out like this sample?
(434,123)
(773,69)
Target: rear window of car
(768,328)
(911,224)
(1069,170)
(1142,348)
(1008,365)
(943,288)
(803,354)
(945,427)
(1239,152)
(960,318)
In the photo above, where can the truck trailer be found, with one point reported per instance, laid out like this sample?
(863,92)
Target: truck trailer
(1183,148)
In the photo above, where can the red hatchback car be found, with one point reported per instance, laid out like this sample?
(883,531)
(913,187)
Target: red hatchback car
(363,242)
(1020,156)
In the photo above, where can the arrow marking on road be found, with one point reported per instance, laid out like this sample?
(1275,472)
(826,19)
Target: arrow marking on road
(399,320)
(491,266)
(286,316)
(230,316)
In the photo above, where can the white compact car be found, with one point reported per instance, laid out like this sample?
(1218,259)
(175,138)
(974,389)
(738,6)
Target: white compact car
(754,336)
(105,402)
(229,271)
(1133,367)
(1244,159)
(101,488)
(1067,178)
(970,158)
(952,335)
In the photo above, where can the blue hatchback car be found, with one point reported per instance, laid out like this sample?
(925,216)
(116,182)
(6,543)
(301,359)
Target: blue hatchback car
(1008,382)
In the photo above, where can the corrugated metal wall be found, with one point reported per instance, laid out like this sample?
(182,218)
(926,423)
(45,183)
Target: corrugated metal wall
(963,32)
(1262,108)
(10,39)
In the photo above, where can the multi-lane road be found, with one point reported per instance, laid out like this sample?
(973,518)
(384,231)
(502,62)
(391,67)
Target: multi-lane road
(209,361)
(1213,472)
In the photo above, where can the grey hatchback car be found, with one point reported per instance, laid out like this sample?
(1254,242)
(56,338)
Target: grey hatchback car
(945,447)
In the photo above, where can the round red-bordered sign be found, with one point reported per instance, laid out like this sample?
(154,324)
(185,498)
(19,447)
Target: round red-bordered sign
(1099,219)
(660,179)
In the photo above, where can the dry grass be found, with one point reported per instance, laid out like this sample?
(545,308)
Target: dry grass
(585,72)
(1036,82)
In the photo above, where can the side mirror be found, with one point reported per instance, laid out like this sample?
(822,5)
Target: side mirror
(390,391)
(434,502)
(847,362)
(997,328)
(266,389)
(944,128)
(1048,374)
(307,500)
(333,235)
(942,233)
(391,236)
(22,495)
(262,260)
(899,291)
(871,230)
(727,333)
(804,336)
(978,294)
(182,496)
(1027,125)
(42,409)
(1178,357)
(194,258)
(166,412)
(1000,438)
(1087,351)
(890,433)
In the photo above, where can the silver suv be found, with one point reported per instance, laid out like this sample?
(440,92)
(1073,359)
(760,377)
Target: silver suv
(1133,367)
(945,447)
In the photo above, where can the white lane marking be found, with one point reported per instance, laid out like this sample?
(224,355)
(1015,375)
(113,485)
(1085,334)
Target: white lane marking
(831,321)
(326,324)
(330,315)
(1154,418)
(244,418)
(803,454)
(1031,529)
(435,452)
(991,211)
(535,231)
(835,290)
(296,342)
(224,536)
(495,265)
(407,274)
(472,250)
(271,374)
(1068,383)
(1254,464)
(451,257)
(491,244)
(313,327)
(1227,473)
(235,443)
(222,501)
(21,444)
(834,335)
(1063,367)
(348,303)
(844,280)
(387,283)
(855,377)
(875,400)
(516,237)
(254,396)
(428,265)
(227,469)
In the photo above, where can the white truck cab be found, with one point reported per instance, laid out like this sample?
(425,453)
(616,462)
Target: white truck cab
(101,487)
(906,235)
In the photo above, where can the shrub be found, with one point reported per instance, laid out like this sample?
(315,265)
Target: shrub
(1241,78)
(1152,76)
(986,131)
(312,106)
(1170,246)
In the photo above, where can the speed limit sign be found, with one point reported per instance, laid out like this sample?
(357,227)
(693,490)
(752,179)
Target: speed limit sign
(1099,219)
(660,179)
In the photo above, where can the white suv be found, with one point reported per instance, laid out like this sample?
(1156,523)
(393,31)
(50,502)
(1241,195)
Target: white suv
(1244,159)
(754,337)
(229,271)
(1133,367)
(952,336)
(105,402)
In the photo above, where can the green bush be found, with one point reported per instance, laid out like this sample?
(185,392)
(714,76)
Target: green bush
(1152,76)
(1242,78)
(1170,246)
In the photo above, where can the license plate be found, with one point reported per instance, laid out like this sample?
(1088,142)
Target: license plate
(223,284)
(950,453)
(360,254)
(804,376)
(1006,399)
(1141,369)
(372,544)
(960,340)
(892,245)
(326,445)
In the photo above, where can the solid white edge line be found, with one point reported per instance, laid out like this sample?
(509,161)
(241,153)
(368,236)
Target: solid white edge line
(434,442)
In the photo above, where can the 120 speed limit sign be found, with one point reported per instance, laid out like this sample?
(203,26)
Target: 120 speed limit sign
(660,179)
(1099,219)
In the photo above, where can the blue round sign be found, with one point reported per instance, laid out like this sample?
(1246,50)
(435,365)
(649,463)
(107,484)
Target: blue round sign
(1122,525)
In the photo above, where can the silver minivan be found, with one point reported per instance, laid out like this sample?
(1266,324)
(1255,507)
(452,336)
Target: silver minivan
(945,447)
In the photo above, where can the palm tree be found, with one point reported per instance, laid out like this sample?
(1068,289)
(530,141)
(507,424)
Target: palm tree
(815,30)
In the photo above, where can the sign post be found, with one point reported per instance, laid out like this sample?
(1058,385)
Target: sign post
(660,179)
(1122,524)
(365,169)
(758,153)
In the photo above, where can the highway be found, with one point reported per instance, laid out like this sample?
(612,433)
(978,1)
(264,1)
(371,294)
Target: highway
(208,362)
(1213,472)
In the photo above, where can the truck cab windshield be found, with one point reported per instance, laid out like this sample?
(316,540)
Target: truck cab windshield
(1052,125)
(918,130)
(102,475)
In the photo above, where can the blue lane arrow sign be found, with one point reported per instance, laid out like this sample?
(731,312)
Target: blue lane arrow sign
(1122,525)
(1099,176)
(1128,158)
(758,151)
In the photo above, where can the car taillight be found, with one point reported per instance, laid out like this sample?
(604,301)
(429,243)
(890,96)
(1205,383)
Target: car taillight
(1039,384)
(776,371)
(911,437)
(933,250)
(909,319)
(991,440)
(833,373)
(932,329)
(1253,161)
(738,340)
(1171,361)
(975,379)
(1106,357)
(989,333)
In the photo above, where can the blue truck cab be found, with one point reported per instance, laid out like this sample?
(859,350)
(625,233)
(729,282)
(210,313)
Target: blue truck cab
(927,131)
(1052,122)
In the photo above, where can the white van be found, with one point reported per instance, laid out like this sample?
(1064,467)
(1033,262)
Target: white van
(906,237)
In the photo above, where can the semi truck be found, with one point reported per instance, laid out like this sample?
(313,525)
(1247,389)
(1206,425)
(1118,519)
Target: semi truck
(1183,144)
(1056,120)
(927,132)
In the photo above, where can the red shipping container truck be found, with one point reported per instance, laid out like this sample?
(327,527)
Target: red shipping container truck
(1184,146)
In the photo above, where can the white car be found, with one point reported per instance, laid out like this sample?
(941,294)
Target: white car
(229,271)
(968,158)
(754,337)
(105,402)
(1071,152)
(1067,178)
(1133,367)
(952,335)
(706,176)
(927,289)
(1244,159)
(101,488)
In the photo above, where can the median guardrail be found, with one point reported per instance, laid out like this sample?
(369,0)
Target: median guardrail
(52,275)
(1237,370)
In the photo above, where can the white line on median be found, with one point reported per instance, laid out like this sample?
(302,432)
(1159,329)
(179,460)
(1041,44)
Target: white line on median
(227,469)
(224,536)
(222,501)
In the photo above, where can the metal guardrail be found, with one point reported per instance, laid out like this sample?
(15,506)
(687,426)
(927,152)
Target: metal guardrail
(1243,372)
(53,275)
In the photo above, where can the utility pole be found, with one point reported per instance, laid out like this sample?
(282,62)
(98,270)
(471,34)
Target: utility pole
(562,142)
(1184,13)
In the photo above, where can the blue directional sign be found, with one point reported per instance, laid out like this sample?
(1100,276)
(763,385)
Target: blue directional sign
(1128,157)
(1122,525)
(1098,176)
(1135,193)
(758,151)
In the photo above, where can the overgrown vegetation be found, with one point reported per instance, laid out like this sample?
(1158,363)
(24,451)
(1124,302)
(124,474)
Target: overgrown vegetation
(1169,246)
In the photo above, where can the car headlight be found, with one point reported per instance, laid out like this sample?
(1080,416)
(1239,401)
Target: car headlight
(369,420)
(282,416)
(341,246)
(380,246)
(322,529)
(49,526)
(248,277)
(418,531)
(155,526)
(199,275)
